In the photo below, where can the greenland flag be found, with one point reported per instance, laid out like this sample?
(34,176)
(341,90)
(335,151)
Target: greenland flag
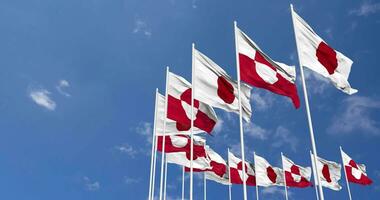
(179,143)
(259,70)
(172,127)
(266,174)
(329,173)
(179,106)
(236,171)
(317,55)
(295,175)
(356,173)
(216,88)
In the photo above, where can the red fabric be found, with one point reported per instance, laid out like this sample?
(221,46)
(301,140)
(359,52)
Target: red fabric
(237,179)
(290,182)
(199,150)
(363,180)
(249,75)
(218,168)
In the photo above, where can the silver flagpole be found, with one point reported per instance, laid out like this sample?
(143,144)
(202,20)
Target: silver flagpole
(229,175)
(345,174)
(314,167)
(257,186)
(204,186)
(152,161)
(314,148)
(240,113)
(164,130)
(183,183)
(192,122)
(166,177)
(283,172)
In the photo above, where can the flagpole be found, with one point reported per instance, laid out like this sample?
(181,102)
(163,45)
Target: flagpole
(314,148)
(257,186)
(204,186)
(192,121)
(154,164)
(166,177)
(345,174)
(164,133)
(283,172)
(240,113)
(229,175)
(151,185)
(183,183)
(313,165)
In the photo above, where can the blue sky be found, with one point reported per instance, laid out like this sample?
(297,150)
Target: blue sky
(77,88)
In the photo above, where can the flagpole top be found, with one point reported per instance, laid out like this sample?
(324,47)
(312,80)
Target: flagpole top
(235,23)
(156,90)
(291,6)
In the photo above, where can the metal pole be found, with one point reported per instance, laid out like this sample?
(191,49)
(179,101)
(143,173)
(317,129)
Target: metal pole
(283,172)
(192,122)
(257,186)
(229,175)
(345,174)
(152,159)
(166,177)
(183,183)
(314,167)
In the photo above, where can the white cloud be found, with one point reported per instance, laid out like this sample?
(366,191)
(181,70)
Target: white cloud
(91,185)
(256,131)
(316,84)
(366,8)
(41,97)
(145,129)
(62,84)
(129,180)
(127,149)
(280,191)
(329,33)
(355,115)
(283,137)
(194,4)
(262,100)
(141,27)
(218,126)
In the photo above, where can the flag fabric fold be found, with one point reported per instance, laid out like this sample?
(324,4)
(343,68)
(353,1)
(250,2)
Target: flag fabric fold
(295,175)
(236,171)
(259,70)
(329,173)
(216,88)
(266,174)
(315,54)
(356,173)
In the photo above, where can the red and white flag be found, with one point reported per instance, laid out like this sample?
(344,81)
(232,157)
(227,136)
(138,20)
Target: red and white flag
(266,174)
(200,160)
(179,143)
(172,127)
(356,173)
(295,175)
(259,70)
(329,173)
(179,106)
(236,171)
(216,88)
(315,54)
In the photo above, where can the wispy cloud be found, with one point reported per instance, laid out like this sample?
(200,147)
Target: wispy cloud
(42,98)
(62,85)
(130,180)
(145,129)
(256,131)
(355,115)
(127,149)
(283,137)
(218,126)
(141,27)
(91,185)
(275,191)
(366,8)
(316,84)
(262,100)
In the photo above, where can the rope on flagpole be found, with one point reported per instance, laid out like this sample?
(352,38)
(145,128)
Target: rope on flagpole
(345,174)
(151,185)
(240,113)
(164,130)
(283,172)
(314,148)
(192,121)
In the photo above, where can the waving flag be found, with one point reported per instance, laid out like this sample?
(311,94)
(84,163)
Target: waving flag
(216,88)
(179,106)
(356,173)
(179,143)
(236,171)
(266,174)
(259,70)
(329,173)
(317,55)
(295,175)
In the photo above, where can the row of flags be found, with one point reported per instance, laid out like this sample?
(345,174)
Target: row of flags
(188,109)
(260,172)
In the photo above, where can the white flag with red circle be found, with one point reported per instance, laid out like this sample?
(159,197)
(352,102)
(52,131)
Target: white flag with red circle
(216,88)
(236,171)
(259,70)
(179,143)
(266,174)
(356,173)
(295,175)
(329,173)
(315,54)
(179,106)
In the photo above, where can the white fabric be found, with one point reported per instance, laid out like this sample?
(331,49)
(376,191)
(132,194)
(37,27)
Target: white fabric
(262,178)
(357,173)
(206,77)
(213,156)
(180,158)
(335,173)
(248,47)
(308,42)
(233,162)
(304,171)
